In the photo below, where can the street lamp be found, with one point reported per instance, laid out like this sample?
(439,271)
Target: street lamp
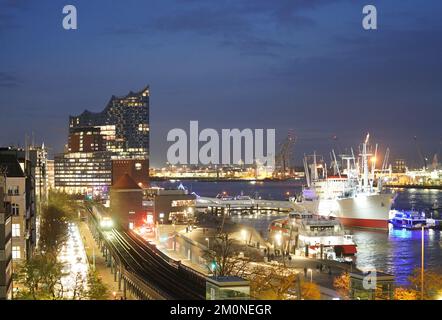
(244,235)
(311,274)
(278,238)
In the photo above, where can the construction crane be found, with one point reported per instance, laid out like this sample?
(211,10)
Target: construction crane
(421,155)
(385,162)
(285,153)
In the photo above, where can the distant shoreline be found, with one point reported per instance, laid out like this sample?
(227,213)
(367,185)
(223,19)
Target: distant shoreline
(412,186)
(223,179)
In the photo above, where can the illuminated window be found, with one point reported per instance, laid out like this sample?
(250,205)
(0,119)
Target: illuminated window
(131,225)
(15,209)
(16,230)
(182,203)
(143,127)
(16,252)
(13,191)
(138,166)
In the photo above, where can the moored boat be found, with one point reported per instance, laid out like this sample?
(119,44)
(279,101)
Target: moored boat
(313,235)
(411,220)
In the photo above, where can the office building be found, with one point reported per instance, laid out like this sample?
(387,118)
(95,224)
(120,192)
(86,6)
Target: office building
(119,132)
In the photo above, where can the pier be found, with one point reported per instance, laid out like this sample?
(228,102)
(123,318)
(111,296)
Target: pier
(252,206)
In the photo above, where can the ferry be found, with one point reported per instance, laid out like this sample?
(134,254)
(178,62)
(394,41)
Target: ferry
(349,193)
(315,235)
(411,220)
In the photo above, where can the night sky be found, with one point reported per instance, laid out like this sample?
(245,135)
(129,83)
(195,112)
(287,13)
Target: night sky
(304,65)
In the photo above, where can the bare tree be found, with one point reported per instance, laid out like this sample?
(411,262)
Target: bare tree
(222,259)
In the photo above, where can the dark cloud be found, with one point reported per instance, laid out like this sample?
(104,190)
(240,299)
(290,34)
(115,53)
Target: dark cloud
(7,22)
(232,23)
(9,10)
(15,4)
(8,80)
(251,45)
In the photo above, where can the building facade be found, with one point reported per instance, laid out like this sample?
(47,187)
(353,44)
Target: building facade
(126,203)
(173,205)
(399,166)
(50,172)
(21,195)
(5,242)
(137,169)
(119,132)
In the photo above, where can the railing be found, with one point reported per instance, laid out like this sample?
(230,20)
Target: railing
(322,233)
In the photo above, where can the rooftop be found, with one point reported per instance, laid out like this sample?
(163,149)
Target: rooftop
(11,165)
(126,183)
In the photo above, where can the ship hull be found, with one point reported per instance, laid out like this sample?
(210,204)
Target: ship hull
(364,211)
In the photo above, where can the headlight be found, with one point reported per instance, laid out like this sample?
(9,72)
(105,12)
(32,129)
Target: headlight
(107,223)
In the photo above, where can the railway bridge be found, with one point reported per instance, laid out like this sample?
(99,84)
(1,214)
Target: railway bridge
(142,269)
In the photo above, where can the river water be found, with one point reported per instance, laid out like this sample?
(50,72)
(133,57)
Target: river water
(397,252)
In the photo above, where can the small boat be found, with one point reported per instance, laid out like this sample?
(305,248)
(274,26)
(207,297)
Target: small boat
(314,235)
(411,220)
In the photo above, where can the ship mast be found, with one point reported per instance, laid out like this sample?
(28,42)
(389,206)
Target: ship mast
(365,155)
(315,167)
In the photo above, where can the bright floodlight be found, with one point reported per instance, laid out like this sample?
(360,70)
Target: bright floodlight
(278,238)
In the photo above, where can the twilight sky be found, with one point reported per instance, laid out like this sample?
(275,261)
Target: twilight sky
(305,65)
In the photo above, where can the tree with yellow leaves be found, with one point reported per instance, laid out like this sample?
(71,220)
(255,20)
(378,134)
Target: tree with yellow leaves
(405,294)
(272,282)
(432,284)
(310,291)
(342,285)
(281,283)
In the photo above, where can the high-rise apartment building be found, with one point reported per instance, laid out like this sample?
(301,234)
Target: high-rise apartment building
(119,132)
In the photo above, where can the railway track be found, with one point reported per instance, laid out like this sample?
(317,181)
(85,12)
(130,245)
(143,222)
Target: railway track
(166,276)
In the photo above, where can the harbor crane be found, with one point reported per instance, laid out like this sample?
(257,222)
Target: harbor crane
(386,158)
(285,153)
(421,155)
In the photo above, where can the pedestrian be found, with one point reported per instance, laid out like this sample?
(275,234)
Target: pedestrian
(305,272)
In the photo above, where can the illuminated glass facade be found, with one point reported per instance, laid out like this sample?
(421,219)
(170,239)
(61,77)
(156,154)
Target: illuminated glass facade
(120,131)
(123,124)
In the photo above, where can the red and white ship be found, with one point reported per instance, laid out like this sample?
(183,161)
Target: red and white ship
(348,194)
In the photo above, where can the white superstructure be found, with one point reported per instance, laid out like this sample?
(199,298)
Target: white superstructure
(349,193)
